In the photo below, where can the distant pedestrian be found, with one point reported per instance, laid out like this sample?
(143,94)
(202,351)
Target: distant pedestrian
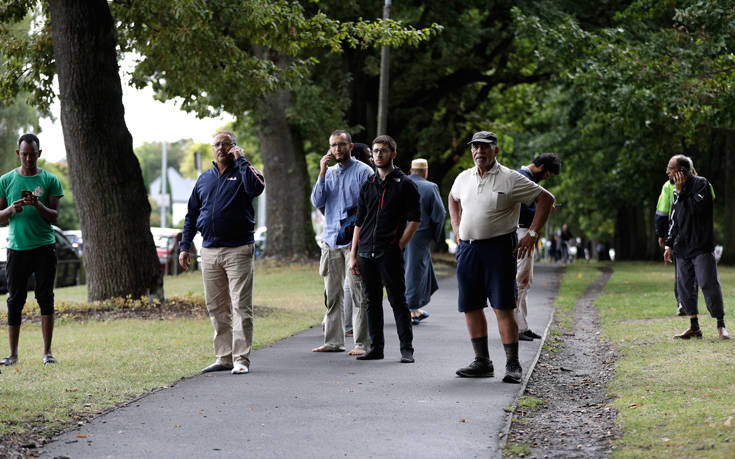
(690,241)
(387,218)
(544,166)
(336,191)
(421,280)
(484,205)
(30,199)
(221,209)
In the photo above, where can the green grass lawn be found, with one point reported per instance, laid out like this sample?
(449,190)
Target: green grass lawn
(103,363)
(676,398)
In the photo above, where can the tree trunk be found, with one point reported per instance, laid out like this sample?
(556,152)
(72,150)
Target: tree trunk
(630,234)
(288,207)
(290,233)
(722,154)
(119,254)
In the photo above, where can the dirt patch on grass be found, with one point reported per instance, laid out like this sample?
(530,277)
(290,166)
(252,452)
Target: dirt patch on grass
(173,308)
(574,418)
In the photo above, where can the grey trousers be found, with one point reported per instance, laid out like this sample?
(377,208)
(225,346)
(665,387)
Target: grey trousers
(700,270)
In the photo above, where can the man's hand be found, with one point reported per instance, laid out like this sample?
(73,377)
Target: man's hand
(17,206)
(236,151)
(354,266)
(525,246)
(680,180)
(667,256)
(324,163)
(184,259)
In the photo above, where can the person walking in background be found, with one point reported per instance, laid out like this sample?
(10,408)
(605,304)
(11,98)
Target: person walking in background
(541,168)
(421,280)
(484,205)
(387,218)
(336,191)
(30,199)
(221,209)
(690,244)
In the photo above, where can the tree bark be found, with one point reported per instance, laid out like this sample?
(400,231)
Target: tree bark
(630,234)
(119,253)
(722,175)
(290,233)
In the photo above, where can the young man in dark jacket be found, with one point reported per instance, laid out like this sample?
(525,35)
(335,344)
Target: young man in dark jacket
(690,242)
(387,217)
(221,208)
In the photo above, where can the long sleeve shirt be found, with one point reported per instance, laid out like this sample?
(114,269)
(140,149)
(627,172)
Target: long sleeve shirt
(337,193)
(432,208)
(221,206)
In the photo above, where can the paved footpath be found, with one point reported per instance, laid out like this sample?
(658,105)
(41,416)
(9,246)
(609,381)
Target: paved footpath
(300,404)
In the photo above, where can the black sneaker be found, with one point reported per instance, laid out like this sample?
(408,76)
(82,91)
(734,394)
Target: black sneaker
(533,335)
(513,373)
(407,357)
(372,354)
(524,336)
(477,369)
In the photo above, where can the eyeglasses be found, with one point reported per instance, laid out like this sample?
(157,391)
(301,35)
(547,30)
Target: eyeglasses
(338,145)
(381,151)
(222,144)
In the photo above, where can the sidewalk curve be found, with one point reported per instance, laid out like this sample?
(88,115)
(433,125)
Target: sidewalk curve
(296,403)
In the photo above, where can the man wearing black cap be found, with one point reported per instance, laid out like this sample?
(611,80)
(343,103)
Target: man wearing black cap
(484,205)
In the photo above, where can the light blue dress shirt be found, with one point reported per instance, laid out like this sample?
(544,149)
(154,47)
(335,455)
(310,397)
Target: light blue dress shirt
(336,193)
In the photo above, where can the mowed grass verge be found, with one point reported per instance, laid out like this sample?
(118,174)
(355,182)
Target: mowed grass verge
(675,398)
(104,363)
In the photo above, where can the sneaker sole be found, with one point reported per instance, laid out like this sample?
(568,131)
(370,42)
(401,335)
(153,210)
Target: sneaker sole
(474,375)
(511,379)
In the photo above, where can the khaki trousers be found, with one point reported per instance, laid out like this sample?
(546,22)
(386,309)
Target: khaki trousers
(524,279)
(228,293)
(333,266)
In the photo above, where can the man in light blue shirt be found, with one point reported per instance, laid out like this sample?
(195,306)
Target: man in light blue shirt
(336,192)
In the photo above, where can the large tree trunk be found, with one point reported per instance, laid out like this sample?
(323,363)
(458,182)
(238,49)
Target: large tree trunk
(288,207)
(722,173)
(630,234)
(119,254)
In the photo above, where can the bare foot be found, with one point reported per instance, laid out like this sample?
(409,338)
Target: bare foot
(356,351)
(325,348)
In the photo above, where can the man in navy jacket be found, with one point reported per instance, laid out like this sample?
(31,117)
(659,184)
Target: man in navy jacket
(221,208)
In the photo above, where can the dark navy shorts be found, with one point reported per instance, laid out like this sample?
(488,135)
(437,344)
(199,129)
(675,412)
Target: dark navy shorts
(486,270)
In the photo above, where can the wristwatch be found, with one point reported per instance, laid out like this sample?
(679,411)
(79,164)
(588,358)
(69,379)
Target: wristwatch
(533,234)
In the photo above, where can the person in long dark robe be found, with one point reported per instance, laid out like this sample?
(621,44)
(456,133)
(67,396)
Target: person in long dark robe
(421,280)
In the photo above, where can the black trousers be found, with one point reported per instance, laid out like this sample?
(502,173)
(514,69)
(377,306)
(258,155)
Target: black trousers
(23,263)
(386,271)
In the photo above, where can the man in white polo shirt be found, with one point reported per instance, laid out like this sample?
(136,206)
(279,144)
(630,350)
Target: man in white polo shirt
(484,205)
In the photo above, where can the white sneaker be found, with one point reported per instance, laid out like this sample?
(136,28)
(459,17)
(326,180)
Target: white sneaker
(240,369)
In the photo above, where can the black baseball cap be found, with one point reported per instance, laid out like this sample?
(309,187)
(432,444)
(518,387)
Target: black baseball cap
(483,137)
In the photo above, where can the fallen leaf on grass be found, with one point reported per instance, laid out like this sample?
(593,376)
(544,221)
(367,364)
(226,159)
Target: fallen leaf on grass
(635,405)
(728,423)
(664,439)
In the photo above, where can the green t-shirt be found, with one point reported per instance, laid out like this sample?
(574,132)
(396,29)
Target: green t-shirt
(28,230)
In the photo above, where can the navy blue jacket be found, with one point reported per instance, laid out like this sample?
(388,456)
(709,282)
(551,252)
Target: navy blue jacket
(221,206)
(691,225)
(527,212)
(383,209)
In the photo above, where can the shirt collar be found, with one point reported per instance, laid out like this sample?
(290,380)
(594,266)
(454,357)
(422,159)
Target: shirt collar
(493,170)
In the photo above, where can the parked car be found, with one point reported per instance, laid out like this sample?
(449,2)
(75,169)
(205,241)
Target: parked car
(167,242)
(75,237)
(69,269)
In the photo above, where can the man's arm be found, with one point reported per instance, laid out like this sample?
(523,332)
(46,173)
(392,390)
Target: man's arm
(455,216)
(544,201)
(408,233)
(49,213)
(190,230)
(7,211)
(354,266)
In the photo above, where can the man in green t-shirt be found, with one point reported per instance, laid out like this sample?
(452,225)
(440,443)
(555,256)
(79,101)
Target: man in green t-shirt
(29,200)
